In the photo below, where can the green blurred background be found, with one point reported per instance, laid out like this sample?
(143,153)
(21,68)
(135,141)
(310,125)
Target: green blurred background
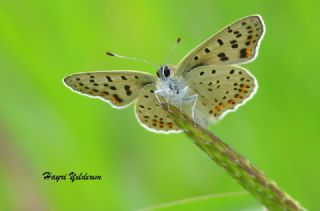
(46,127)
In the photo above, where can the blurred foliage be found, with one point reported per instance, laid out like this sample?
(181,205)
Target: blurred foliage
(46,127)
(226,202)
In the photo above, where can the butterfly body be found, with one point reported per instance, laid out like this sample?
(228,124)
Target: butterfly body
(206,84)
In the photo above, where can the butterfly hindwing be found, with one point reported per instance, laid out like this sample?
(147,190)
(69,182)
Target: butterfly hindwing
(220,89)
(119,88)
(235,44)
(150,113)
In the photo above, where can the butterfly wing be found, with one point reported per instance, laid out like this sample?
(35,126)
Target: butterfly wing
(237,43)
(119,88)
(220,89)
(150,113)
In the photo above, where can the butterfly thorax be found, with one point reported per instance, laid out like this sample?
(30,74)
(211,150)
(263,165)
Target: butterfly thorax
(171,85)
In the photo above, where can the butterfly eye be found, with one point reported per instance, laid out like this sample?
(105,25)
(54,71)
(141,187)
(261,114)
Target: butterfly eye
(166,71)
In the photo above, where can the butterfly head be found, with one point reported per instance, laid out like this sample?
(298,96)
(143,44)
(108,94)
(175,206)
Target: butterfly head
(164,73)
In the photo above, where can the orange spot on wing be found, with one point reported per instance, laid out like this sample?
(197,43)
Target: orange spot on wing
(114,100)
(231,101)
(242,92)
(155,122)
(169,124)
(221,106)
(218,108)
(243,88)
(249,49)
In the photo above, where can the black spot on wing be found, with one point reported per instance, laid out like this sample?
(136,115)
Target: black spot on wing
(220,42)
(117,98)
(127,89)
(243,53)
(223,56)
(109,78)
(234,46)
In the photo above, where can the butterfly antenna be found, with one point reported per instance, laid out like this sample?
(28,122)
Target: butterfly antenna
(173,49)
(132,58)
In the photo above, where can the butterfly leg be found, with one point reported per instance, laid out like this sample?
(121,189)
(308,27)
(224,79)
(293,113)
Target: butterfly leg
(159,93)
(181,96)
(163,94)
(195,98)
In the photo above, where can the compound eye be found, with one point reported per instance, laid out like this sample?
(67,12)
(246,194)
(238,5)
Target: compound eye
(166,72)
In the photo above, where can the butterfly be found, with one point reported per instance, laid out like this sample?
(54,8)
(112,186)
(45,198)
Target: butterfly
(206,84)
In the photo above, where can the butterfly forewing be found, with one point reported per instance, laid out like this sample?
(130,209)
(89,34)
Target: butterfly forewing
(150,113)
(220,88)
(237,43)
(119,88)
